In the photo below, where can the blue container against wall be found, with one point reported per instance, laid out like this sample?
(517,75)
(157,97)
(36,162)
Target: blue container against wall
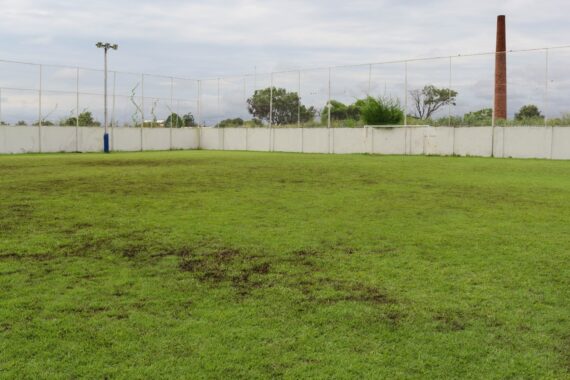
(106,143)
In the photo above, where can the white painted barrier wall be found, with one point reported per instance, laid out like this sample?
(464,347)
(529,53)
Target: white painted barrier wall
(19,139)
(516,142)
(48,139)
(258,139)
(126,139)
(561,143)
(389,140)
(185,138)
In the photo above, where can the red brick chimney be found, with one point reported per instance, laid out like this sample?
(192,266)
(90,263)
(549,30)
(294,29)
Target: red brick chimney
(501,71)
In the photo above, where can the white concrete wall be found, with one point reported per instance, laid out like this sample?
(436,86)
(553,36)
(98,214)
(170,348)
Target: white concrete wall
(348,140)
(210,138)
(416,142)
(287,139)
(473,141)
(316,140)
(90,139)
(517,142)
(527,142)
(156,138)
(233,138)
(561,143)
(497,143)
(389,140)
(126,139)
(59,139)
(185,138)
(19,139)
(438,141)
(258,139)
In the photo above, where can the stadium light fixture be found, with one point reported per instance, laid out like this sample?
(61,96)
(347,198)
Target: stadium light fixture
(106,46)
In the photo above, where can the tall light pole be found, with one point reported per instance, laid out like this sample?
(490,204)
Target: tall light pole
(106,46)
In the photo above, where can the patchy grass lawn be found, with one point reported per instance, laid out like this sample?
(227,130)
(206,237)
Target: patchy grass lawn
(251,265)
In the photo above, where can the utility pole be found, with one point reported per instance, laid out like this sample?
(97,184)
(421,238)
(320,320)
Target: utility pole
(106,47)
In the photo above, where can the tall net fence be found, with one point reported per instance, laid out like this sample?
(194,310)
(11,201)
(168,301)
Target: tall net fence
(439,91)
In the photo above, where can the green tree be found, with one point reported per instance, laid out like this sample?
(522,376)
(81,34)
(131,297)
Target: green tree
(354,110)
(253,123)
(45,123)
(287,107)
(483,116)
(381,111)
(174,121)
(430,99)
(227,123)
(339,111)
(530,111)
(21,123)
(188,120)
(85,120)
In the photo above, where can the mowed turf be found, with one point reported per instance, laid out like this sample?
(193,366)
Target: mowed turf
(253,265)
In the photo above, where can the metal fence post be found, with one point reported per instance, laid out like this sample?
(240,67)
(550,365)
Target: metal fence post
(142,100)
(40,112)
(245,104)
(449,95)
(199,101)
(449,111)
(113,111)
(546,85)
(329,106)
(77,110)
(370,80)
(329,100)
(493,122)
(406,129)
(299,99)
(299,111)
(245,90)
(271,114)
(142,110)
(219,99)
(546,56)
(406,93)
(221,134)
(171,112)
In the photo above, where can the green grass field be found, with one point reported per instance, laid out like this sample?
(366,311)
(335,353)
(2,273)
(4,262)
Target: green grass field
(253,265)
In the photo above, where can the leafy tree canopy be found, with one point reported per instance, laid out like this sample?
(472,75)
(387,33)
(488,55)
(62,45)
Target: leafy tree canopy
(530,111)
(46,123)
(287,107)
(85,120)
(341,111)
(430,99)
(381,111)
(176,121)
(237,122)
(482,116)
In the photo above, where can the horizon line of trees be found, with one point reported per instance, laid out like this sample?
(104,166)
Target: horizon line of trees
(280,107)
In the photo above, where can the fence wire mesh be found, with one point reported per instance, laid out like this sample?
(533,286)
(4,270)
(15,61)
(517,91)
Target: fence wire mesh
(537,79)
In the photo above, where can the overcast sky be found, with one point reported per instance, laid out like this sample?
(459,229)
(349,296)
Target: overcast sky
(209,39)
(220,37)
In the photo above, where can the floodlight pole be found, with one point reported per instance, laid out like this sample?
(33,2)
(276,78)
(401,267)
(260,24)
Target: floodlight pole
(106,47)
